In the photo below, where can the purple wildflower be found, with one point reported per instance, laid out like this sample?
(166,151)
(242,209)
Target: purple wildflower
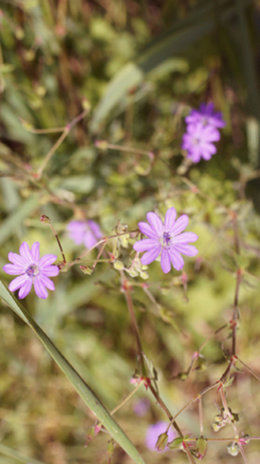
(198,141)
(32,270)
(154,431)
(141,406)
(166,239)
(87,232)
(206,115)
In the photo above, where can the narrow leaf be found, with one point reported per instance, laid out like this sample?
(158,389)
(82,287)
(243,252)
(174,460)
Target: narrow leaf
(85,392)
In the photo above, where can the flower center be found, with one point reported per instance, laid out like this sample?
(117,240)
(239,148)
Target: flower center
(196,141)
(205,121)
(32,270)
(166,238)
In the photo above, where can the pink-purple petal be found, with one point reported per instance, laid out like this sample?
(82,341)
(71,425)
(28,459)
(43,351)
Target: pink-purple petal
(186,237)
(188,250)
(35,251)
(25,252)
(18,282)
(176,259)
(89,239)
(46,260)
(39,288)
(155,222)
(145,244)
(13,269)
(50,271)
(47,282)
(170,217)
(165,261)
(95,229)
(180,224)
(16,259)
(25,289)
(151,255)
(147,230)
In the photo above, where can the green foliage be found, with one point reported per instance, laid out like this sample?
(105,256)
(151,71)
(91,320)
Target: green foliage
(136,69)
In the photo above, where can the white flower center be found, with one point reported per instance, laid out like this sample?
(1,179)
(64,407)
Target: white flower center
(32,270)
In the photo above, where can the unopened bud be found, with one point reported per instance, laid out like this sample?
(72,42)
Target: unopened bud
(102,144)
(118,265)
(45,219)
(202,446)
(176,443)
(86,269)
(233,448)
(161,441)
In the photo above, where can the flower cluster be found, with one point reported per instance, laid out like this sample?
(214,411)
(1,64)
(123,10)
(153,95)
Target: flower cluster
(166,239)
(202,131)
(32,271)
(86,232)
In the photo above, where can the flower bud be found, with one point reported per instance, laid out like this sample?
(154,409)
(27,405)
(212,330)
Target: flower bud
(162,441)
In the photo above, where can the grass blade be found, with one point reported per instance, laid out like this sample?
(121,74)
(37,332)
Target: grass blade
(200,21)
(85,392)
(10,453)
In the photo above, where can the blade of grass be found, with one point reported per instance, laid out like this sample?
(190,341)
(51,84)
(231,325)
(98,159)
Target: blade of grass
(85,392)
(249,70)
(10,453)
(199,22)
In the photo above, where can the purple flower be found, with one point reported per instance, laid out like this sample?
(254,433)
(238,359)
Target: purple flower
(141,406)
(198,141)
(206,115)
(154,431)
(87,232)
(166,239)
(32,270)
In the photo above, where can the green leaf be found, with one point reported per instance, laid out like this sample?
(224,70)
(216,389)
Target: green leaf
(10,225)
(200,21)
(85,392)
(9,452)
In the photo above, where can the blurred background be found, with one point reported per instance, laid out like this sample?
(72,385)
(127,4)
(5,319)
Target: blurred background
(137,68)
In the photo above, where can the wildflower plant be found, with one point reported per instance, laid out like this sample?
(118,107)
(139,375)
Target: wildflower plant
(179,328)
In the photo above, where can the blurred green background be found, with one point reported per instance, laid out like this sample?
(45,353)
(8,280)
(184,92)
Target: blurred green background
(139,66)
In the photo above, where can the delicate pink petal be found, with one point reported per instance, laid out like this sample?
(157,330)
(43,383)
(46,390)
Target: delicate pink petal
(165,261)
(35,251)
(180,224)
(13,269)
(170,217)
(95,229)
(50,271)
(46,260)
(188,250)
(155,222)
(16,259)
(76,231)
(186,237)
(147,230)
(25,252)
(210,148)
(25,289)
(151,255)
(47,282)
(89,239)
(39,288)
(145,244)
(176,259)
(17,282)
